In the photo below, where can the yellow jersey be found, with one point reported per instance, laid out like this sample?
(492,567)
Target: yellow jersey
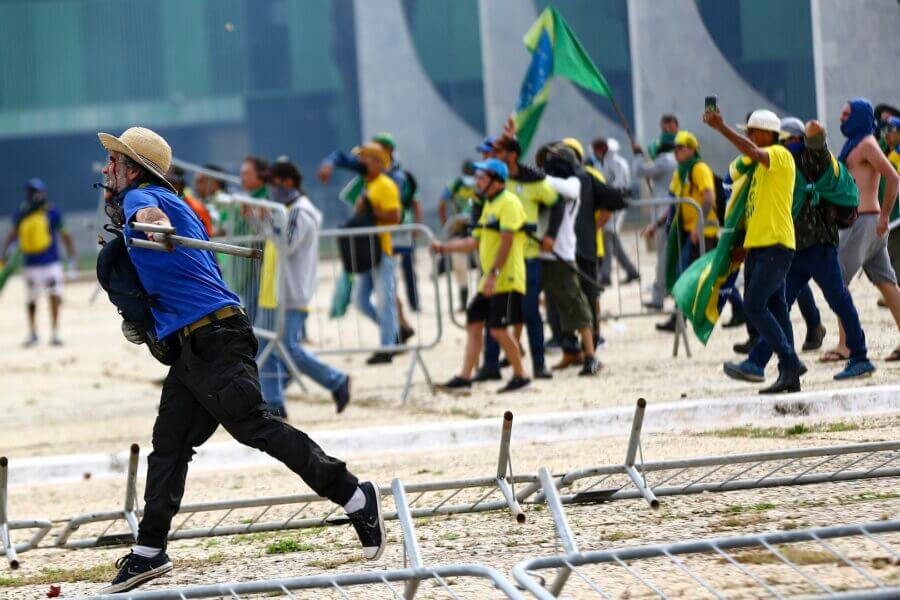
(384,196)
(769,201)
(502,213)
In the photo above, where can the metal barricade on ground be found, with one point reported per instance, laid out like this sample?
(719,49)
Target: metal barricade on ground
(411,576)
(778,564)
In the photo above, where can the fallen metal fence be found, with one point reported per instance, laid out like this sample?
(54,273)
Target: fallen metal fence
(255,515)
(779,564)
(414,573)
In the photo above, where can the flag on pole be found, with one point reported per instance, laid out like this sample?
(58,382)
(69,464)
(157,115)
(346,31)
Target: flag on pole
(555,51)
(696,291)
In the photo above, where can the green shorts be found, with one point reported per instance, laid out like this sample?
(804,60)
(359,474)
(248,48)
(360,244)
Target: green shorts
(560,282)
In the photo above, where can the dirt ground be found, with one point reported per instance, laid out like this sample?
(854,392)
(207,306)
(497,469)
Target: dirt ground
(494,538)
(99,393)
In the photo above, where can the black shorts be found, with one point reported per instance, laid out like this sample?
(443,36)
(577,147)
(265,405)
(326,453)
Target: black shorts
(500,310)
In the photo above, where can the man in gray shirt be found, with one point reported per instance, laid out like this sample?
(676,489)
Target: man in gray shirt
(657,166)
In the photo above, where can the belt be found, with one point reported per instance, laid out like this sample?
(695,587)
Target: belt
(222,313)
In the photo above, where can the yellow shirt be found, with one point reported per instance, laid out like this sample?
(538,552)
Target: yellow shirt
(532,196)
(894,158)
(382,192)
(699,180)
(769,201)
(503,213)
(601,249)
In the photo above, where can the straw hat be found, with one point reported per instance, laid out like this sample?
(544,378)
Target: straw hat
(144,146)
(375,151)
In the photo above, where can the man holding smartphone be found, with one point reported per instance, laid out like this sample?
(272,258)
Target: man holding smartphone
(769,241)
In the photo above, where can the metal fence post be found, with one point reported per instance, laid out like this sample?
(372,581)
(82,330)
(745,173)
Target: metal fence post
(504,469)
(562,527)
(130,510)
(8,546)
(634,442)
(410,543)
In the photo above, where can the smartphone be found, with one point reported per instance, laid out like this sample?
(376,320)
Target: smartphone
(711,103)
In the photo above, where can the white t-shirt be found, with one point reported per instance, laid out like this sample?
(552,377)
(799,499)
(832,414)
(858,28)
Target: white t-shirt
(569,191)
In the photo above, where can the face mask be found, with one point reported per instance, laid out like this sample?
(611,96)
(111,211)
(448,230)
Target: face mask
(794,147)
(280,194)
(468,181)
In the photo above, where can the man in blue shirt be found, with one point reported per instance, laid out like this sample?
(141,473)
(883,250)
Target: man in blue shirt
(215,379)
(37,226)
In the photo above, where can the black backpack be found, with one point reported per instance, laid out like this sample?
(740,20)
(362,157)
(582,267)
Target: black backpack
(360,253)
(119,279)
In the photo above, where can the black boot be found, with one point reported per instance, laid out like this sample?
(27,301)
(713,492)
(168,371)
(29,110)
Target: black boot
(463,299)
(667,325)
(788,380)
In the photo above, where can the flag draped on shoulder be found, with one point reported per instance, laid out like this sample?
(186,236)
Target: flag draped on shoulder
(835,184)
(696,291)
(554,51)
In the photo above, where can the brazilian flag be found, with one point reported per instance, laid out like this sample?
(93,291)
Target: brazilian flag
(696,291)
(554,51)
(7,269)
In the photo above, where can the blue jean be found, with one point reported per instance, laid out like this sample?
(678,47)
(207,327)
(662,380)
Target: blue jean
(274,374)
(407,257)
(533,322)
(765,272)
(380,281)
(820,263)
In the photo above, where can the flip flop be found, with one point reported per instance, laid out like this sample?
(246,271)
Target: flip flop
(835,356)
(894,356)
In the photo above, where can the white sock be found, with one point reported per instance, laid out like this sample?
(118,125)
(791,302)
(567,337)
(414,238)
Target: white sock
(357,502)
(146,551)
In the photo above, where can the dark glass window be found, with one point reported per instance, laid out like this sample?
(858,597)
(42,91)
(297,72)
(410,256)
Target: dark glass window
(769,44)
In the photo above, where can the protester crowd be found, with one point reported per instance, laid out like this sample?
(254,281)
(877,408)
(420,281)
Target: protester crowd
(542,238)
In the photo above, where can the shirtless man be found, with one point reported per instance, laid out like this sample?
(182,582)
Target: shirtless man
(864,244)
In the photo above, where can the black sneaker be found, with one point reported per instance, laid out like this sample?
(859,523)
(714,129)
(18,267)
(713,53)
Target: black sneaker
(457,384)
(744,347)
(380,358)
(484,374)
(369,522)
(135,570)
(590,367)
(542,373)
(342,395)
(515,384)
(667,325)
(406,333)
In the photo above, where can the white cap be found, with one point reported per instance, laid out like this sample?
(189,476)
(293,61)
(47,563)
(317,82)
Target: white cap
(763,119)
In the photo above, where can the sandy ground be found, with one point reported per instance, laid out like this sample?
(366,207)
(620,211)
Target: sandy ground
(99,393)
(494,538)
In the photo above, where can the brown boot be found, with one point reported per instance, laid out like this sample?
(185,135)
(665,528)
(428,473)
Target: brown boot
(568,360)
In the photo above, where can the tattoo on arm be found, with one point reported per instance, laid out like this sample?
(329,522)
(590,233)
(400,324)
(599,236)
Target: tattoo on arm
(152,215)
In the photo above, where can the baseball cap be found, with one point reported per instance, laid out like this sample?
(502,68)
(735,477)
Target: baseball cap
(375,151)
(688,139)
(575,145)
(493,165)
(36,185)
(487,144)
(764,120)
(508,144)
(792,127)
(385,139)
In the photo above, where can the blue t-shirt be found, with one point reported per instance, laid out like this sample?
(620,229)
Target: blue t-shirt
(49,219)
(187,282)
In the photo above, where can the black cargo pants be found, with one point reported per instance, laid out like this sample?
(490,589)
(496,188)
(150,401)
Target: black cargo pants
(215,381)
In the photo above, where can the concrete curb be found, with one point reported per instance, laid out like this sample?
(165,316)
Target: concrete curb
(560,426)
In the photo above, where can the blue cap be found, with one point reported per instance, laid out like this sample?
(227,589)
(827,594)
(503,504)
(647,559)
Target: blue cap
(36,185)
(487,145)
(493,165)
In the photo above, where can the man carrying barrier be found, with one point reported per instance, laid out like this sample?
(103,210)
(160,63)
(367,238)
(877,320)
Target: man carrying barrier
(214,379)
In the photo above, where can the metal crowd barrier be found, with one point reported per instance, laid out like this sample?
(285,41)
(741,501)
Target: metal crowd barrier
(779,564)
(622,312)
(280,513)
(411,576)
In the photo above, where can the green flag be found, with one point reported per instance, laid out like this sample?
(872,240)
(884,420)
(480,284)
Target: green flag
(555,50)
(696,291)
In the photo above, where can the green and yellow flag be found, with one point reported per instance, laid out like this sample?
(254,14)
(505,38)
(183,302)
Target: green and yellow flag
(554,51)
(696,291)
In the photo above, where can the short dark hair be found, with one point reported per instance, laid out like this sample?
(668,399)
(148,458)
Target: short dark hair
(599,142)
(285,169)
(669,118)
(223,185)
(260,164)
(509,144)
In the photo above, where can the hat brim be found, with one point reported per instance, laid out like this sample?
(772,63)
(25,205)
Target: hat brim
(745,127)
(114,144)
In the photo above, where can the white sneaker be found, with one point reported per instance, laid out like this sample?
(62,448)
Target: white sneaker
(30,341)
(56,340)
